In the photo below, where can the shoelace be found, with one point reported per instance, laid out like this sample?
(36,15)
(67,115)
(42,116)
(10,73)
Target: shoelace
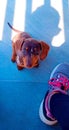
(60,81)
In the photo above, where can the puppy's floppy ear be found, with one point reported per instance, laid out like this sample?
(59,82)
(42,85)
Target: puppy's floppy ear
(45,50)
(22,42)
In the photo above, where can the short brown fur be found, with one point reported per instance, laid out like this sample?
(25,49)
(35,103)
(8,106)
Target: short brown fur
(26,51)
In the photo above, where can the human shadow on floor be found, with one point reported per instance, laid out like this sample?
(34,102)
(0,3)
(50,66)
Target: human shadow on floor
(43,22)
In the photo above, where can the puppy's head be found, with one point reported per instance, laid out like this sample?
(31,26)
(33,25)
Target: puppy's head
(32,51)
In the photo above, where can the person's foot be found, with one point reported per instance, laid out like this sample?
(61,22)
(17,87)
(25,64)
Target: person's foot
(58,83)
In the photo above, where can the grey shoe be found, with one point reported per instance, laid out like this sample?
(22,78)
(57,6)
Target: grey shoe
(58,82)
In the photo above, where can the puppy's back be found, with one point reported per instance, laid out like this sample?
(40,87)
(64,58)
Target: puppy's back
(21,35)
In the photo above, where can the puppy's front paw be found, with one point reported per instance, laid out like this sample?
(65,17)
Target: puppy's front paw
(19,67)
(37,65)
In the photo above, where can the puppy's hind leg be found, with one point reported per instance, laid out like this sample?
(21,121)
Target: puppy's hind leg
(13,59)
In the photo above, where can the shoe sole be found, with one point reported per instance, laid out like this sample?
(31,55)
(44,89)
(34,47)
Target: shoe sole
(43,118)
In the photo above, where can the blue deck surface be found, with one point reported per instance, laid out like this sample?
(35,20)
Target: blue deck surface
(21,92)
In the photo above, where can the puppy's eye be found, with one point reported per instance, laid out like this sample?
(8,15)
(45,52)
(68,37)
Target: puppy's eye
(26,48)
(35,49)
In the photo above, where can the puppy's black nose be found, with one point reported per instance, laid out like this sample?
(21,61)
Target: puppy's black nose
(29,65)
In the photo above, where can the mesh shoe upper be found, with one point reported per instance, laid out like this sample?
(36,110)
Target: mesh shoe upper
(58,82)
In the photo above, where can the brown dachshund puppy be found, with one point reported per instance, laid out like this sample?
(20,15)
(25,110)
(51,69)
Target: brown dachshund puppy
(27,52)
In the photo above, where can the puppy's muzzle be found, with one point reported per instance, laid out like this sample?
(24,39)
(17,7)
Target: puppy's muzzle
(31,61)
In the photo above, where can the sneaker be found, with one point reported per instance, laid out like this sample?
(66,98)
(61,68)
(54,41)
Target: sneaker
(59,82)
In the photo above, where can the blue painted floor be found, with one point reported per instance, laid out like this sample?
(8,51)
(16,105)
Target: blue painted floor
(21,92)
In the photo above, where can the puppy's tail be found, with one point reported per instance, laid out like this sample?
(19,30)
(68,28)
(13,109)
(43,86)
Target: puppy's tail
(13,28)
